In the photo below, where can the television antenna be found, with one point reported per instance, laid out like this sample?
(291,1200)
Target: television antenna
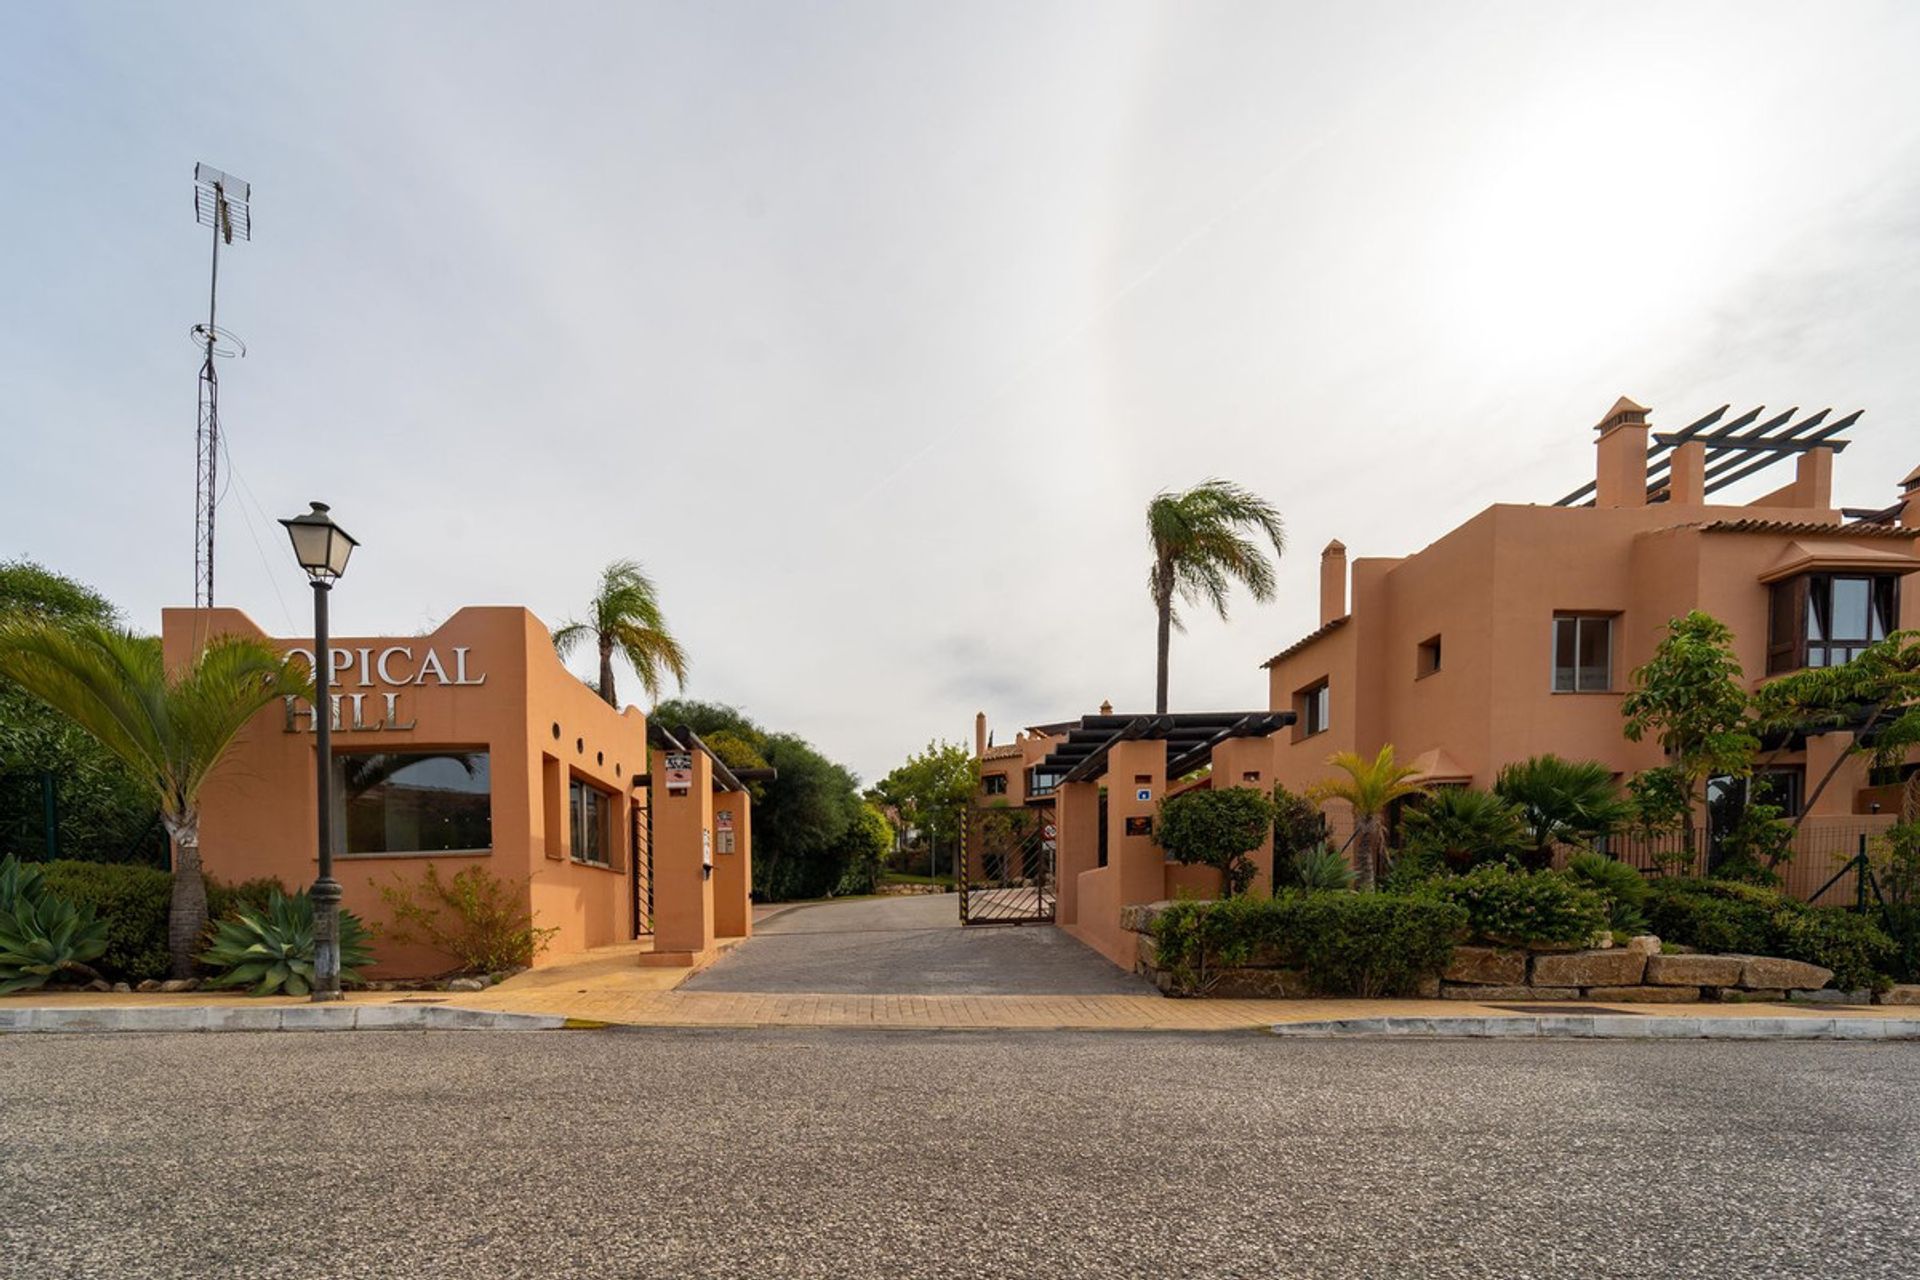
(220,201)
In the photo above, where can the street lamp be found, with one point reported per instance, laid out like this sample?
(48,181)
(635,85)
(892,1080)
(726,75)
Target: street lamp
(322,548)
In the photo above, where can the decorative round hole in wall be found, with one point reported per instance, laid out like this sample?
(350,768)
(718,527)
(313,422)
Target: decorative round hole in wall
(556,731)
(616,770)
(599,757)
(580,745)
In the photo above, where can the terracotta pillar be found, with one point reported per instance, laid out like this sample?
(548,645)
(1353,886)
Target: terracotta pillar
(733,864)
(1687,475)
(1134,768)
(1076,817)
(682,888)
(1248,762)
(1333,582)
(1813,480)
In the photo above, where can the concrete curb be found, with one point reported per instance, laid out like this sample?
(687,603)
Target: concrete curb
(1602,1026)
(293,1017)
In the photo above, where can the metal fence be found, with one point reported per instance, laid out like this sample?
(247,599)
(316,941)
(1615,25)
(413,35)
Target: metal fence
(1823,869)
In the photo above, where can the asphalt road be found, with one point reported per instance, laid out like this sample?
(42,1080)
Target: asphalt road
(891,1154)
(910,946)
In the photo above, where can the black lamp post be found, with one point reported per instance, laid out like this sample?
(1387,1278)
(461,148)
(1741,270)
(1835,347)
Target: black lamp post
(322,548)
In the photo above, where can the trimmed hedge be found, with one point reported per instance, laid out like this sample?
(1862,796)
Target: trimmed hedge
(1518,908)
(134,901)
(1345,944)
(1728,915)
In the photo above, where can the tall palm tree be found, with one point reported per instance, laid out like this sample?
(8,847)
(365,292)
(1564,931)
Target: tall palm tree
(169,730)
(624,617)
(1369,787)
(1201,548)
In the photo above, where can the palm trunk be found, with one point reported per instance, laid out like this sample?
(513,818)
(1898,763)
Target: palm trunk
(607,693)
(1366,856)
(187,911)
(1164,640)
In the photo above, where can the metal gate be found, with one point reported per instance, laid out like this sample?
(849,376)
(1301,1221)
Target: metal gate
(1007,866)
(642,869)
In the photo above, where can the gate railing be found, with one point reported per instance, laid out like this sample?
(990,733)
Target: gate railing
(642,870)
(1006,873)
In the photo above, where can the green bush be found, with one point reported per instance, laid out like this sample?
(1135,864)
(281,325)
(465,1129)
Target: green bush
(42,935)
(1346,944)
(256,895)
(1217,828)
(1727,915)
(1458,829)
(133,901)
(1298,824)
(272,950)
(1517,908)
(482,921)
(1624,888)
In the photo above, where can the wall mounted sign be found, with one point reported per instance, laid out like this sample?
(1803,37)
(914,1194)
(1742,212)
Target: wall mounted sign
(723,819)
(1144,793)
(1140,825)
(386,671)
(706,848)
(679,772)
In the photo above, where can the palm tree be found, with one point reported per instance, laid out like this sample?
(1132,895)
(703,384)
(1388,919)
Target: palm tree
(1369,787)
(1200,551)
(1561,802)
(169,730)
(624,617)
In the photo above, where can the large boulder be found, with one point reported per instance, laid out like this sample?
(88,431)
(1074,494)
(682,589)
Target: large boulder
(1693,971)
(1490,994)
(1771,973)
(1617,968)
(1487,966)
(1904,993)
(1644,995)
(1138,917)
(1647,944)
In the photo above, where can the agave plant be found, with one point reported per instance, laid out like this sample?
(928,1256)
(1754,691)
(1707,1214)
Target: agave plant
(42,935)
(1321,870)
(273,949)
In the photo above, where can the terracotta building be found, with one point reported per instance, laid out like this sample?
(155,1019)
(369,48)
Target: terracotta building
(1515,633)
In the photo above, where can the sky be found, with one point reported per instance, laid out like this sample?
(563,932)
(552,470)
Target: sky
(871,329)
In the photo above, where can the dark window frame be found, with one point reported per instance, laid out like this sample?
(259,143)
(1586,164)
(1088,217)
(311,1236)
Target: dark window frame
(993,784)
(1802,630)
(596,818)
(350,804)
(1314,706)
(1427,658)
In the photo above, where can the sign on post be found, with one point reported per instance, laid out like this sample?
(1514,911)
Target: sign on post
(679,773)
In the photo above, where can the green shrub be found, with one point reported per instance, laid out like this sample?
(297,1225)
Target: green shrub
(272,950)
(255,895)
(1517,908)
(480,920)
(1217,828)
(133,901)
(1319,870)
(42,935)
(1624,888)
(1460,829)
(1727,915)
(1370,944)
(1298,824)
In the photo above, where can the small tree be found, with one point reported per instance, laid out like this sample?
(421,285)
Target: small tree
(1217,828)
(1298,825)
(1691,695)
(1874,699)
(1561,802)
(1370,788)
(931,792)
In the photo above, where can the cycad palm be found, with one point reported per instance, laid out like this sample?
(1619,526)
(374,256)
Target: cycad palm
(1369,787)
(1201,547)
(624,617)
(169,730)
(1562,801)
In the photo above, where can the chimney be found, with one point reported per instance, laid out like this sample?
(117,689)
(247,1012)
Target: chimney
(1687,475)
(1333,582)
(1910,498)
(1106,707)
(1620,473)
(979,733)
(1813,480)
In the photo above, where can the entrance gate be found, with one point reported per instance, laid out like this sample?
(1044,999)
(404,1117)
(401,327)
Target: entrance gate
(1007,866)
(642,869)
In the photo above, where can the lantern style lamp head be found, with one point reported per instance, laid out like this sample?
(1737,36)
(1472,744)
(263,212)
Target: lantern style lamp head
(320,545)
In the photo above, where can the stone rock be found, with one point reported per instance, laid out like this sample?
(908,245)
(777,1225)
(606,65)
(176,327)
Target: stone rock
(1138,917)
(1489,994)
(122,987)
(1601,941)
(1644,995)
(177,985)
(466,984)
(148,984)
(1260,984)
(1734,995)
(1487,966)
(1647,944)
(1905,993)
(1693,971)
(1827,995)
(1589,969)
(1770,973)
(1146,953)
(1427,989)
(99,984)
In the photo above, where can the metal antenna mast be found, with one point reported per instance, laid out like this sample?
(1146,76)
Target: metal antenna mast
(220,201)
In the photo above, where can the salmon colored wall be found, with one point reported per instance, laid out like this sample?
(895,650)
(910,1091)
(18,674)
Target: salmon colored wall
(733,872)
(259,807)
(1076,846)
(683,915)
